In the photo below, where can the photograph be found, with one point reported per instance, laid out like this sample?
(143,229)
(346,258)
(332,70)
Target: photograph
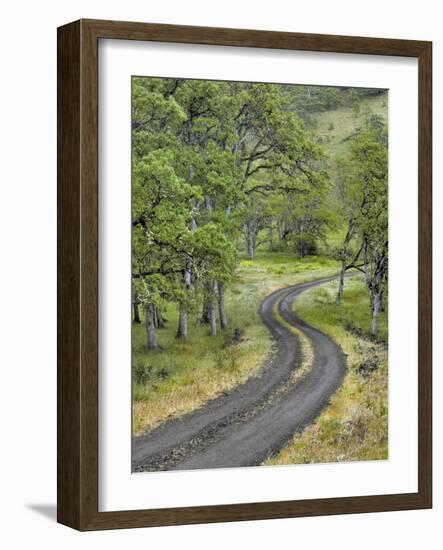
(259,274)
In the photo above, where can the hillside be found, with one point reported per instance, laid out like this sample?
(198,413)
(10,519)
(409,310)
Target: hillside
(334,128)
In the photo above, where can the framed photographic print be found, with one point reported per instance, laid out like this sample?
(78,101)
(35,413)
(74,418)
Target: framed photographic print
(244,275)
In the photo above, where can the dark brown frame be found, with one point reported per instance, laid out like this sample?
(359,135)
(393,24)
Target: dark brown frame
(77,455)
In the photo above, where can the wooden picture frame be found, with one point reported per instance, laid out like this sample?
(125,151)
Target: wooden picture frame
(78,274)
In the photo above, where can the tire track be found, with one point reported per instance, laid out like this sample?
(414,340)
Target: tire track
(253,421)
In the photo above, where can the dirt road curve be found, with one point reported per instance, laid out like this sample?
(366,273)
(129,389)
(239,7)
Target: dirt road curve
(255,420)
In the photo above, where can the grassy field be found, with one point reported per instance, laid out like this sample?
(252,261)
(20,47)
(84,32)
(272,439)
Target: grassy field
(183,376)
(355,425)
(317,306)
(334,128)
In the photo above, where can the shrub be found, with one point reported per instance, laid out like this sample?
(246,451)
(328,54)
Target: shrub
(142,373)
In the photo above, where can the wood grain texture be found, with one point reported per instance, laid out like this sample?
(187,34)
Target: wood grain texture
(425,274)
(77,172)
(254,38)
(68,276)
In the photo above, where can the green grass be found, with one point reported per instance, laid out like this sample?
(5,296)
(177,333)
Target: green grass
(271,270)
(183,376)
(333,128)
(318,307)
(355,425)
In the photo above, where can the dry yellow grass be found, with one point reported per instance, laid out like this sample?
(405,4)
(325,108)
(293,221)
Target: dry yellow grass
(186,392)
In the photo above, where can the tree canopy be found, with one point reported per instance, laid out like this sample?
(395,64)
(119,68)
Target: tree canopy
(220,168)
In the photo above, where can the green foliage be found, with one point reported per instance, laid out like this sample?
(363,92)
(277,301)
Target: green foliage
(145,374)
(212,160)
(306,100)
(220,163)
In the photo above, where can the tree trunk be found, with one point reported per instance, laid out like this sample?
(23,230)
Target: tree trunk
(136,309)
(253,242)
(344,257)
(221,306)
(206,304)
(182,330)
(151,336)
(205,311)
(271,238)
(135,306)
(375,312)
(160,322)
(366,260)
(376,286)
(212,312)
(341,281)
(250,235)
(247,240)
(250,250)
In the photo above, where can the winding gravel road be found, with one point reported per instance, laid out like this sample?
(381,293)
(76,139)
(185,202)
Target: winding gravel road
(256,419)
